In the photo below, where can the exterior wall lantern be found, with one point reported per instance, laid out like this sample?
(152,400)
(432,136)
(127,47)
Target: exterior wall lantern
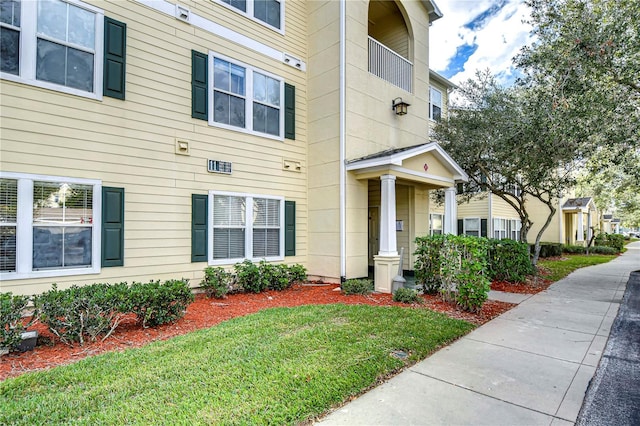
(399,106)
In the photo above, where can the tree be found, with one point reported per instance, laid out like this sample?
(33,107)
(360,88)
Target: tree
(515,143)
(588,51)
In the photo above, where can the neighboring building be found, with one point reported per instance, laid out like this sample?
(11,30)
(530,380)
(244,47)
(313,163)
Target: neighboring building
(146,139)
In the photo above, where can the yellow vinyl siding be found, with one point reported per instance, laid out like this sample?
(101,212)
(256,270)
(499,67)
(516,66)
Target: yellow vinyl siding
(131,143)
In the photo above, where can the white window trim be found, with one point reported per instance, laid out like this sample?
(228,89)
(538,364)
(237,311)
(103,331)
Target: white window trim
(431,229)
(464,225)
(431,88)
(248,107)
(28,41)
(250,14)
(514,230)
(24,228)
(505,229)
(248,235)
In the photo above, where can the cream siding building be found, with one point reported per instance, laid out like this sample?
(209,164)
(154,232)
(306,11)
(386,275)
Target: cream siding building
(148,139)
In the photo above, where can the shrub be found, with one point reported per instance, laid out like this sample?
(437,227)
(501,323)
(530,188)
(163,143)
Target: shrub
(509,260)
(603,250)
(156,303)
(407,295)
(457,266)
(79,312)
(248,277)
(574,249)
(357,286)
(216,282)
(297,273)
(610,240)
(11,322)
(275,277)
(427,265)
(549,249)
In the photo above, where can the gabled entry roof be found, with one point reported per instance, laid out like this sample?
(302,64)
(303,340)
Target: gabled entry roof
(393,159)
(578,203)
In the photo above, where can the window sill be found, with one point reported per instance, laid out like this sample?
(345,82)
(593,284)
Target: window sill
(54,87)
(50,273)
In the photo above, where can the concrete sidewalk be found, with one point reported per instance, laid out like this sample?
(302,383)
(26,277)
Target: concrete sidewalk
(530,366)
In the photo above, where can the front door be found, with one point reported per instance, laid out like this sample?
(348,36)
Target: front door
(374,233)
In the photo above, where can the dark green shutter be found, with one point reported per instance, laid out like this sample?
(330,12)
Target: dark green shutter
(460,227)
(289,228)
(199,210)
(289,111)
(199,91)
(115,44)
(112,227)
(483,227)
(460,188)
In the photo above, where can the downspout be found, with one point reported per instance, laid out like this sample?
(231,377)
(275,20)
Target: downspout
(343,177)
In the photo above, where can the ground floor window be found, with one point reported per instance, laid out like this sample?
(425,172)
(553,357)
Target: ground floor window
(435,224)
(515,225)
(472,226)
(49,226)
(246,227)
(500,230)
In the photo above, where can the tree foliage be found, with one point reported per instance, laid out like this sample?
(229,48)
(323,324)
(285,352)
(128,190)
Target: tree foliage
(514,142)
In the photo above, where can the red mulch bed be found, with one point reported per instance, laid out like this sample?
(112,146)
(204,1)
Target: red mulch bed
(532,285)
(205,312)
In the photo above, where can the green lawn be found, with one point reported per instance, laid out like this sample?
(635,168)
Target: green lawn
(279,366)
(561,268)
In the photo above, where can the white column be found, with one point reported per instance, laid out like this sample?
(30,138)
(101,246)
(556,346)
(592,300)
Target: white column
(388,245)
(580,236)
(450,211)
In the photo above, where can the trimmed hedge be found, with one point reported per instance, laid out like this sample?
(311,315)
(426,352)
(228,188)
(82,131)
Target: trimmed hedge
(78,314)
(456,267)
(509,260)
(615,241)
(11,321)
(255,278)
(357,286)
(548,249)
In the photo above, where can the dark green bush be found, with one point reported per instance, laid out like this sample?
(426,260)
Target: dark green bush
(549,249)
(297,273)
(248,277)
(275,277)
(427,266)
(509,260)
(12,323)
(610,240)
(216,282)
(407,295)
(157,303)
(456,266)
(574,249)
(603,250)
(266,276)
(357,286)
(80,312)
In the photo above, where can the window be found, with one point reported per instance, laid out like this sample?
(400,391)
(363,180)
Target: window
(246,227)
(472,226)
(266,11)
(435,104)
(8,224)
(246,99)
(53,44)
(500,228)
(435,224)
(514,229)
(49,226)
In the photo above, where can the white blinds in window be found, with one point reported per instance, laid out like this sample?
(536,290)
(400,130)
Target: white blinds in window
(229,221)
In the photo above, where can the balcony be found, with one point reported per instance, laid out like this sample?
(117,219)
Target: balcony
(390,66)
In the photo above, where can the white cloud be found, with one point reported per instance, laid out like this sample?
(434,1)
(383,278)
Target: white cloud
(500,37)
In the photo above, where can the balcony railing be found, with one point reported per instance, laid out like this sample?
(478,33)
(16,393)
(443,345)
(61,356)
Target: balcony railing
(389,66)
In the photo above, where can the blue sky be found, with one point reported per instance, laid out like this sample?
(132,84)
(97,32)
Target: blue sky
(478,34)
